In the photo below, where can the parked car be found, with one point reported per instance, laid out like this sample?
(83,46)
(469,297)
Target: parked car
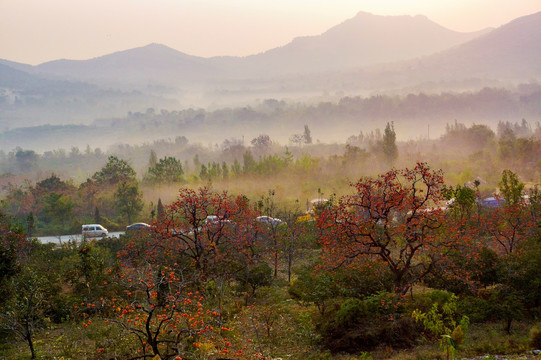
(212,219)
(138,227)
(94,230)
(268,220)
(492,202)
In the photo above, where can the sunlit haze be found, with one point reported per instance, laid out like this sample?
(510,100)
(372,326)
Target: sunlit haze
(33,31)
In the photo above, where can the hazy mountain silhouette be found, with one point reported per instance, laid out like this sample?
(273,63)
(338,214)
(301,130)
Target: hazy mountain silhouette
(17,65)
(376,46)
(154,62)
(27,99)
(510,51)
(13,78)
(365,39)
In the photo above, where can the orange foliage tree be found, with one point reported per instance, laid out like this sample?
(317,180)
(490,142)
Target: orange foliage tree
(508,226)
(156,307)
(394,218)
(208,231)
(165,292)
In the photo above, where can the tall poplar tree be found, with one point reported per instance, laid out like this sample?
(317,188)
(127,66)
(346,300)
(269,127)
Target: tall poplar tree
(390,151)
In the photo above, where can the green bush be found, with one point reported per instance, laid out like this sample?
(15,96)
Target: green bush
(366,325)
(61,307)
(384,304)
(535,337)
(351,312)
(424,302)
(363,281)
(252,278)
(476,309)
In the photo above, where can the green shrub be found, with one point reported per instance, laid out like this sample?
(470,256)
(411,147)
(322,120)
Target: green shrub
(535,337)
(366,325)
(367,279)
(252,278)
(425,301)
(351,312)
(476,309)
(61,307)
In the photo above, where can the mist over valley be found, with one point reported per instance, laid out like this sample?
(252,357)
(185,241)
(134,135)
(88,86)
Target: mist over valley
(409,64)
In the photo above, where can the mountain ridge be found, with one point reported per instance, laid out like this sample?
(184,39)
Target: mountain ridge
(362,40)
(509,51)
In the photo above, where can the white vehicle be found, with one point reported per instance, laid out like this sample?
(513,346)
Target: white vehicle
(94,230)
(212,219)
(268,220)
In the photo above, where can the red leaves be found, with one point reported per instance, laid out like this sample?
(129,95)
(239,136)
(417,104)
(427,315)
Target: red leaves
(395,218)
(507,227)
(206,230)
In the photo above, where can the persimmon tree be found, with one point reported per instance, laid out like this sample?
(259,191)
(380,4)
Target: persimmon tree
(162,292)
(12,243)
(213,234)
(508,230)
(161,314)
(208,231)
(394,218)
(507,227)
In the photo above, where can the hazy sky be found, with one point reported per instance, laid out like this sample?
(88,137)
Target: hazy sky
(35,31)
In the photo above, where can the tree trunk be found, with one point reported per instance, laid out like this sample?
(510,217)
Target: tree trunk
(508,325)
(275,260)
(28,337)
(289,264)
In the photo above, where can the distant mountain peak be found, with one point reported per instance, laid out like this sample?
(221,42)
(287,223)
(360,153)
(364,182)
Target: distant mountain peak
(363,40)
(365,14)
(157,46)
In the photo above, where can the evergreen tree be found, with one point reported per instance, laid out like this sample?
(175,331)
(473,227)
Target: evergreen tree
(307,136)
(30,224)
(160,210)
(249,162)
(390,151)
(153,159)
(203,174)
(225,170)
(236,169)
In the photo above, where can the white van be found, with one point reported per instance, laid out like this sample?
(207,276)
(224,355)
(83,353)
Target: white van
(94,230)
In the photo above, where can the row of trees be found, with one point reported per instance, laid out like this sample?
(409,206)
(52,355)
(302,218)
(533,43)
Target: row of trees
(512,141)
(55,206)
